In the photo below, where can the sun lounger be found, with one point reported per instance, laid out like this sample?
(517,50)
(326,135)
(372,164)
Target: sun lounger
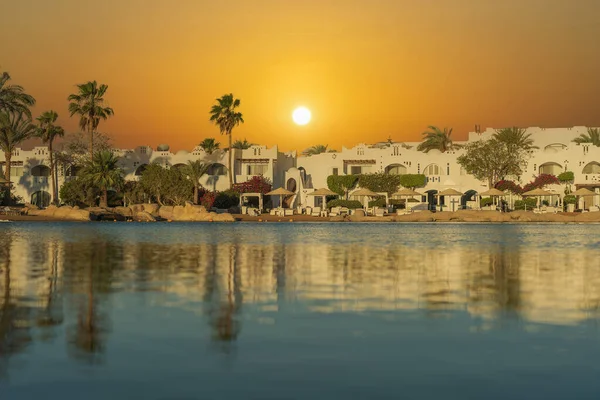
(288,212)
(316,212)
(379,212)
(335,211)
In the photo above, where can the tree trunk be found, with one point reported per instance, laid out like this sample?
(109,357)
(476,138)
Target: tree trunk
(104,198)
(230,162)
(7,158)
(52,174)
(91,143)
(196,200)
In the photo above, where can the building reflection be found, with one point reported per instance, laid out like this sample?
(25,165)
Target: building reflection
(52,282)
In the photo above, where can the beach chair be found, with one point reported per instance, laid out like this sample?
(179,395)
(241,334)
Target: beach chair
(288,212)
(335,211)
(308,210)
(316,212)
(594,208)
(379,212)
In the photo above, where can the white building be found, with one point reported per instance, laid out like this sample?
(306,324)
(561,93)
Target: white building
(557,153)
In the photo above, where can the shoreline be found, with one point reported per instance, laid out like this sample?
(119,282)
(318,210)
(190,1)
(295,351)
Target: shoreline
(515,217)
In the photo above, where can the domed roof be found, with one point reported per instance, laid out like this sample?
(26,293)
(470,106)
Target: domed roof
(163,147)
(434,152)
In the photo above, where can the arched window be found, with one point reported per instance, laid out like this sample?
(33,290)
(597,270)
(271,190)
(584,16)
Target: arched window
(591,168)
(217,169)
(40,170)
(395,169)
(432,170)
(554,148)
(551,168)
(291,185)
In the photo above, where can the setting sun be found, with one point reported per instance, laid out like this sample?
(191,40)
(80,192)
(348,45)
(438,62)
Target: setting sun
(301,116)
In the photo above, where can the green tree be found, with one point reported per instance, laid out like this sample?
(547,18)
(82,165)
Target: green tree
(316,149)
(103,173)
(89,104)
(515,138)
(209,145)
(13,98)
(592,137)
(195,170)
(73,151)
(225,115)
(242,145)
(14,129)
(48,131)
(491,160)
(436,139)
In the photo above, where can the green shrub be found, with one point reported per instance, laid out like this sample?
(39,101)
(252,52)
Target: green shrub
(352,204)
(380,182)
(380,202)
(226,199)
(570,199)
(79,192)
(341,183)
(413,180)
(486,201)
(566,177)
(530,202)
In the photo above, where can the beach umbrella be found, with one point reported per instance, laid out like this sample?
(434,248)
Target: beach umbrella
(280,192)
(323,192)
(406,192)
(579,192)
(450,193)
(492,192)
(538,193)
(364,192)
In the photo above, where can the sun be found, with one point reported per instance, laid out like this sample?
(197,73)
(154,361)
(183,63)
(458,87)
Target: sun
(301,116)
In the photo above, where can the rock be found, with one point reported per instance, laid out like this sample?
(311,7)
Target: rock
(124,211)
(151,208)
(136,208)
(65,213)
(30,206)
(143,216)
(225,217)
(166,212)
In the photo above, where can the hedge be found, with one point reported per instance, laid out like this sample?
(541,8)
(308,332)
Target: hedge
(341,183)
(486,201)
(566,177)
(380,182)
(352,204)
(413,181)
(530,202)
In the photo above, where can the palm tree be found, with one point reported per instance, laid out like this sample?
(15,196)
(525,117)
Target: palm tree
(316,149)
(47,131)
(436,139)
(224,115)
(103,173)
(195,170)
(515,138)
(13,98)
(592,137)
(209,145)
(89,104)
(238,144)
(14,129)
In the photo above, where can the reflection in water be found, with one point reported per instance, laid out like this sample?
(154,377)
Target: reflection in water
(67,276)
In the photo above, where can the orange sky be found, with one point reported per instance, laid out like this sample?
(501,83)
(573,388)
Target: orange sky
(367,69)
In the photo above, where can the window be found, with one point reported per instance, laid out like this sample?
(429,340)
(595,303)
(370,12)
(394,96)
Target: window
(257,169)
(355,170)
(432,170)
(16,171)
(448,169)
(335,171)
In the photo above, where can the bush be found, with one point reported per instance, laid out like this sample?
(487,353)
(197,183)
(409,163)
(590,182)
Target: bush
(380,202)
(341,183)
(508,186)
(413,180)
(256,184)
(78,192)
(566,177)
(380,182)
(208,199)
(570,199)
(226,199)
(486,201)
(530,202)
(352,204)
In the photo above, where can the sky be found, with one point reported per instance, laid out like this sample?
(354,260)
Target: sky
(367,69)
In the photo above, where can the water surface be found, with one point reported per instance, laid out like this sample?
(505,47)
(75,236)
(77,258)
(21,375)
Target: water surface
(299,311)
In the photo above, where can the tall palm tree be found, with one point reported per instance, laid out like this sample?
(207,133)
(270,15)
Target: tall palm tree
(515,138)
(209,145)
(242,145)
(592,136)
(436,139)
(103,173)
(225,115)
(47,131)
(195,170)
(14,129)
(89,104)
(13,98)
(316,149)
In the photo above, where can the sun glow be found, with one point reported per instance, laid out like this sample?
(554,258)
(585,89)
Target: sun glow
(301,116)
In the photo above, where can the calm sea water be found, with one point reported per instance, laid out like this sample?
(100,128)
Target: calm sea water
(299,311)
